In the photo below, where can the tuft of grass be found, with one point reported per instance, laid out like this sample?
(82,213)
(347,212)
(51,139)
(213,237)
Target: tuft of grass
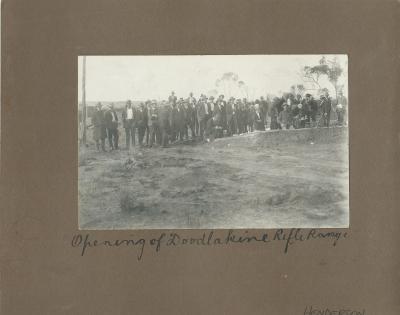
(129,203)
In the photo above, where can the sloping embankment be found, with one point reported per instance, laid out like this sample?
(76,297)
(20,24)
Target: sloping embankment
(282,137)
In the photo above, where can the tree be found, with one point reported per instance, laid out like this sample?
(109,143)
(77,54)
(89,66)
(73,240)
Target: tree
(329,68)
(244,89)
(334,72)
(228,82)
(311,77)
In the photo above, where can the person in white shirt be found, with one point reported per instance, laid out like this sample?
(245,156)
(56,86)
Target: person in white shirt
(128,119)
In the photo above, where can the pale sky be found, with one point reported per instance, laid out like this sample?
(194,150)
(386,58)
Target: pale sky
(118,78)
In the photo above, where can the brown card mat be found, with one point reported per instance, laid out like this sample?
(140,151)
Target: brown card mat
(49,266)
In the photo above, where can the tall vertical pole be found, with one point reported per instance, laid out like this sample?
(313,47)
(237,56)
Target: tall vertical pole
(84,99)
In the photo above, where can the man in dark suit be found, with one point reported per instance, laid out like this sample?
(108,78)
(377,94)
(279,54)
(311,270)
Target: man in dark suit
(153,124)
(174,122)
(258,118)
(229,110)
(172,98)
(164,123)
(141,122)
(190,118)
(111,121)
(99,127)
(326,106)
(264,110)
(222,105)
(193,120)
(182,127)
(202,115)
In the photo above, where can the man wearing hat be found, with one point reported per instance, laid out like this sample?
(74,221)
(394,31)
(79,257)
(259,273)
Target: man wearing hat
(326,105)
(258,118)
(311,107)
(99,128)
(153,124)
(172,98)
(111,120)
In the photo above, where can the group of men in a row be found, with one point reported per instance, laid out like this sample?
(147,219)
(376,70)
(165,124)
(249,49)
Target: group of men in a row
(208,117)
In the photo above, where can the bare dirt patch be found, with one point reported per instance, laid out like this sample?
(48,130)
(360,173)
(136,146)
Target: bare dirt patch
(294,178)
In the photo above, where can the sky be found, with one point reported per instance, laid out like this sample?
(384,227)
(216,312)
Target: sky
(119,78)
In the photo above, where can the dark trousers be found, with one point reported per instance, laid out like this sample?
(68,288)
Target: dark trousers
(259,125)
(230,125)
(154,134)
(196,127)
(202,126)
(175,128)
(113,136)
(164,138)
(141,131)
(103,144)
(240,125)
(340,118)
(327,118)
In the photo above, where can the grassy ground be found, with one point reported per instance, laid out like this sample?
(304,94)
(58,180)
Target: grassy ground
(276,179)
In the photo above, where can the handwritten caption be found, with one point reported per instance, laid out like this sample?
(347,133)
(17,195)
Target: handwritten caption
(287,238)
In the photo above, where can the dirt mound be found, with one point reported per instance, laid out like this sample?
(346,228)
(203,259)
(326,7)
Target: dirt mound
(286,137)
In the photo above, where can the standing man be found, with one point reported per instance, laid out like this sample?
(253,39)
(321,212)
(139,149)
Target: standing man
(192,109)
(264,110)
(141,122)
(211,105)
(164,123)
(111,120)
(172,98)
(182,126)
(202,115)
(129,123)
(153,124)
(190,118)
(222,106)
(341,108)
(326,105)
(283,117)
(312,109)
(229,110)
(258,118)
(250,114)
(174,122)
(99,131)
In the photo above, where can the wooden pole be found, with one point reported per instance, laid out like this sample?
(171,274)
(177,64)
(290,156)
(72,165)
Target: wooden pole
(84,99)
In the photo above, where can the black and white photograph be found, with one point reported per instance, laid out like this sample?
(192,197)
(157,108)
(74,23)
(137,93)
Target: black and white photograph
(213,142)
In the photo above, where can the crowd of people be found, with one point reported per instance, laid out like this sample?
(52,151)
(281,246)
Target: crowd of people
(206,118)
